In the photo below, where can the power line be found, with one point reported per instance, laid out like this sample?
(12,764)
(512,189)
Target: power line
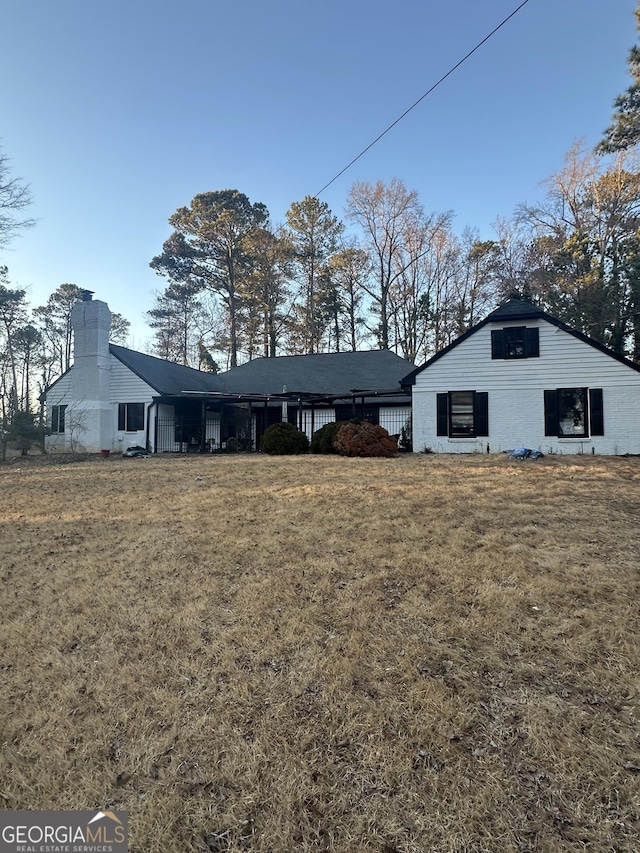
(422,97)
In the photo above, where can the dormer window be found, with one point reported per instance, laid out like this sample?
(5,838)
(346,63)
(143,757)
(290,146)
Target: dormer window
(515,342)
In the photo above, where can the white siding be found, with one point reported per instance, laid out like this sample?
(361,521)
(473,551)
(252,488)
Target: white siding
(126,387)
(516,394)
(59,395)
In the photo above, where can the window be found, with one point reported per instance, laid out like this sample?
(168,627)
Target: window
(515,342)
(573,412)
(462,414)
(57,418)
(130,417)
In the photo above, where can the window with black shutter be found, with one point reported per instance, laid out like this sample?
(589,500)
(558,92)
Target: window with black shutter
(573,412)
(515,342)
(462,414)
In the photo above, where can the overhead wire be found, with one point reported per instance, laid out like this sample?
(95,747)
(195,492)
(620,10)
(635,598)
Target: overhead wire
(422,97)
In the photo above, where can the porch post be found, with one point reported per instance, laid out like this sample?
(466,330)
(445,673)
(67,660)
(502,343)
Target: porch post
(203,424)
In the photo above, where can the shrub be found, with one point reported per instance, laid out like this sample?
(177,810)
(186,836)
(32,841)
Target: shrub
(405,441)
(322,440)
(365,439)
(284,439)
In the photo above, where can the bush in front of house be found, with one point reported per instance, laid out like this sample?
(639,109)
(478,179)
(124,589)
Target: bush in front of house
(322,440)
(284,439)
(365,439)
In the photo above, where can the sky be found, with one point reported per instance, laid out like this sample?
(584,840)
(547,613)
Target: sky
(118,113)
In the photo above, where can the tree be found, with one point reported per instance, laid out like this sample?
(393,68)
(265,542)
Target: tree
(17,340)
(209,245)
(54,320)
(175,320)
(625,130)
(585,234)
(420,295)
(313,231)
(267,293)
(15,197)
(120,327)
(349,269)
(386,214)
(476,286)
(13,315)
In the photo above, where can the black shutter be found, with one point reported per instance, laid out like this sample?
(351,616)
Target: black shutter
(122,411)
(497,343)
(531,343)
(551,413)
(442,414)
(596,411)
(481,412)
(61,411)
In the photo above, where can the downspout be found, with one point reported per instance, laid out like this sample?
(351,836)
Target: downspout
(155,429)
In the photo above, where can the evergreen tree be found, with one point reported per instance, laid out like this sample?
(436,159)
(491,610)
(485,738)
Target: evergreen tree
(625,130)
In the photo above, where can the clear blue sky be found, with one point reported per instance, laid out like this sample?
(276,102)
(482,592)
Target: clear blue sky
(118,113)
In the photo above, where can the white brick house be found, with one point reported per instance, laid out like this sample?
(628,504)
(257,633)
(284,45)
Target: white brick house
(521,378)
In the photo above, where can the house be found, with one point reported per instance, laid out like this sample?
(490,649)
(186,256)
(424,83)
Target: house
(113,397)
(522,378)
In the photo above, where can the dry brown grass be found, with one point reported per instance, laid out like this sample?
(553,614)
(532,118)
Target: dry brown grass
(304,654)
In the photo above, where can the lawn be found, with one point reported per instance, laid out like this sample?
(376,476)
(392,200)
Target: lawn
(426,654)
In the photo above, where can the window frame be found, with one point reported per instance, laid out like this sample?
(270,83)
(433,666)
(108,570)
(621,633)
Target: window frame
(480,414)
(593,412)
(128,414)
(58,419)
(505,341)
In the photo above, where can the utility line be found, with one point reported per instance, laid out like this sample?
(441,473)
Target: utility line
(420,99)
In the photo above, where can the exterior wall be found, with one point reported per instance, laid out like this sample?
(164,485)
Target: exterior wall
(60,395)
(516,394)
(93,430)
(126,387)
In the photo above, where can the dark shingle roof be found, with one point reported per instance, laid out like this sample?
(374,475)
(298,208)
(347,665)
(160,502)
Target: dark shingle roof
(166,377)
(515,308)
(330,374)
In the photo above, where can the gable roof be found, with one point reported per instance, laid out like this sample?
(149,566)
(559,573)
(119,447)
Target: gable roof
(166,377)
(329,374)
(323,374)
(517,308)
